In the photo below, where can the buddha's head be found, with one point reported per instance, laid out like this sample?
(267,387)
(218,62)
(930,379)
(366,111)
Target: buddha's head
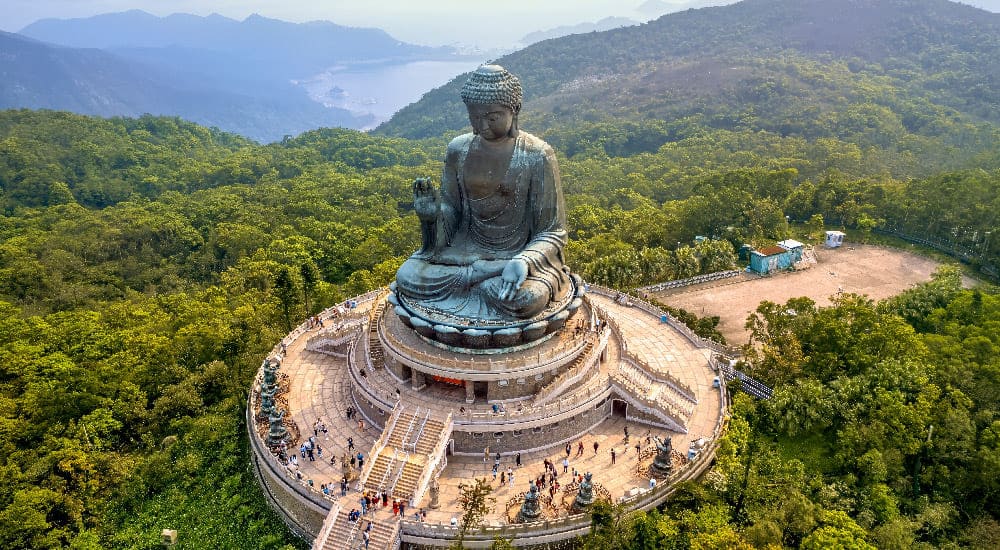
(493,98)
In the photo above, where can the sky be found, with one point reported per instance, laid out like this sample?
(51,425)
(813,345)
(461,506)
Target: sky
(487,24)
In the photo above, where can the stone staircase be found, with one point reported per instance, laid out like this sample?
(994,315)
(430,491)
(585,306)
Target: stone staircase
(573,374)
(376,355)
(340,534)
(658,390)
(333,341)
(645,394)
(414,443)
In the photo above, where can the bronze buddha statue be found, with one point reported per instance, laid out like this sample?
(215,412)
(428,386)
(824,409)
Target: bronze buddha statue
(494,233)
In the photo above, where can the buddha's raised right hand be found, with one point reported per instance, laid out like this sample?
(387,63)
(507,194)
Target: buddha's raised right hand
(425,199)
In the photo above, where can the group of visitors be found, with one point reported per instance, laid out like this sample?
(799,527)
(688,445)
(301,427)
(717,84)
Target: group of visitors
(314,322)
(370,501)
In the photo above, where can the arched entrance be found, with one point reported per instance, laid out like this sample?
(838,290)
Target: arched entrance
(619,408)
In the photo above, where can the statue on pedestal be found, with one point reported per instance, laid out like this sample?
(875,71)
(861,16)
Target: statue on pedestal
(346,468)
(266,400)
(270,372)
(277,432)
(435,494)
(493,233)
(585,497)
(530,508)
(662,462)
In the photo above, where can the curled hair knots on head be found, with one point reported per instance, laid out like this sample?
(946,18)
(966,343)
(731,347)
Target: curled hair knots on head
(493,84)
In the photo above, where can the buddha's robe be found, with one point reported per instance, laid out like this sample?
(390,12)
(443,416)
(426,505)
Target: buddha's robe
(525,216)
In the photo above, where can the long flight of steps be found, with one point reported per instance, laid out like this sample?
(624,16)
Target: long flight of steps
(340,534)
(410,448)
(375,351)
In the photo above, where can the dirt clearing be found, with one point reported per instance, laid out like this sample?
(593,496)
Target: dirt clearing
(871,270)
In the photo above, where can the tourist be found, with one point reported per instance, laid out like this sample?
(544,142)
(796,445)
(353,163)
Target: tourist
(498,457)
(366,536)
(350,444)
(364,504)
(486,453)
(361,461)
(361,425)
(569,449)
(503,478)
(579,448)
(316,427)
(565,465)
(517,459)
(612,456)
(626,435)
(353,461)
(495,408)
(510,478)
(638,447)
(343,487)
(395,507)
(402,507)
(423,515)
(596,445)
(495,468)
(652,482)
(385,498)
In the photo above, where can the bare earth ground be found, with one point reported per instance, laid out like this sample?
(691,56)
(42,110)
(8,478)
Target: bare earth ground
(875,271)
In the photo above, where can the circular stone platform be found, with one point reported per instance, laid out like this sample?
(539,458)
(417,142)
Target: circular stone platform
(425,413)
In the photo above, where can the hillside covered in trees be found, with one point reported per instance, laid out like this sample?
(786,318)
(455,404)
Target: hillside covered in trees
(146,266)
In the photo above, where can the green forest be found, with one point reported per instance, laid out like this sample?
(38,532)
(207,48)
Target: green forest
(148,264)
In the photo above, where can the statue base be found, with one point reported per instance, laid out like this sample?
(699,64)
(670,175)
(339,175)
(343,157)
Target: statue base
(460,333)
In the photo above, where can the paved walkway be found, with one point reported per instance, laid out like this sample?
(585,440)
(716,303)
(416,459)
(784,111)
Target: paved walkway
(319,388)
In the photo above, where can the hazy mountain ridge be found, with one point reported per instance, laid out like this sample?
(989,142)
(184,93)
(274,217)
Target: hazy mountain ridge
(92,81)
(604,24)
(238,75)
(904,39)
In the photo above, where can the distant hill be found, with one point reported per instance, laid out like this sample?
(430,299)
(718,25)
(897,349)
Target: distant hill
(794,67)
(90,81)
(232,53)
(242,76)
(602,25)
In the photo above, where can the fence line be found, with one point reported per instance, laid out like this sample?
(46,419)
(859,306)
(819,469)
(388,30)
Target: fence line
(698,279)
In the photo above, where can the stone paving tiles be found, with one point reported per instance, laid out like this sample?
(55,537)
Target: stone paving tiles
(320,389)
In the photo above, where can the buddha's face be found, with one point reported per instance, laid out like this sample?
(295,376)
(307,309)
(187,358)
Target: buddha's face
(491,121)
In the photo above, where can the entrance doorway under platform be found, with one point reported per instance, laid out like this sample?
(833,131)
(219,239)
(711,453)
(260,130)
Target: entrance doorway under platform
(619,408)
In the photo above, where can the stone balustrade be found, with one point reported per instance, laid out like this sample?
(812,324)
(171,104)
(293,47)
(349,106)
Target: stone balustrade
(445,362)
(584,362)
(435,459)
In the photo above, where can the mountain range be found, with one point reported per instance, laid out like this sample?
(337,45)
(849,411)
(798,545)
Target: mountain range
(775,65)
(238,75)
(597,26)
